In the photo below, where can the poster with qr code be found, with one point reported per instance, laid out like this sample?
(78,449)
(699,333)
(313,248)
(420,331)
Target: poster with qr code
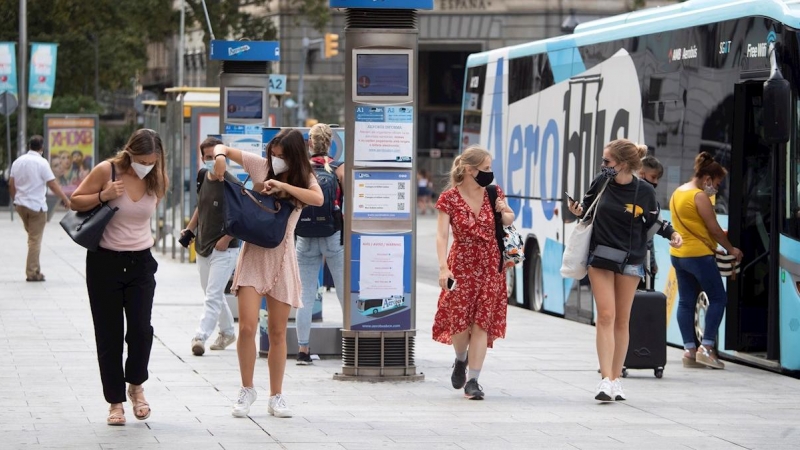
(381,195)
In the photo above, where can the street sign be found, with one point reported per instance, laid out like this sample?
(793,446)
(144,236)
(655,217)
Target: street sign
(277,84)
(8,103)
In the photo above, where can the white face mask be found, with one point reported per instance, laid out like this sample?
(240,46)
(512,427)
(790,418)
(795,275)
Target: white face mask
(279,165)
(141,170)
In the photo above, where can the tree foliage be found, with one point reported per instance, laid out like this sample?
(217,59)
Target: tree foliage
(122,30)
(316,12)
(230,19)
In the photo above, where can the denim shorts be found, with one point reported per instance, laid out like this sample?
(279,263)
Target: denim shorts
(636,270)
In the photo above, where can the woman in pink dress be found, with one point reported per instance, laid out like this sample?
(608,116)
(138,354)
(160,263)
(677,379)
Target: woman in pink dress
(471,312)
(270,272)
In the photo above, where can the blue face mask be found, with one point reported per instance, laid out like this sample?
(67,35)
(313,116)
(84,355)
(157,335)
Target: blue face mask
(609,172)
(209,165)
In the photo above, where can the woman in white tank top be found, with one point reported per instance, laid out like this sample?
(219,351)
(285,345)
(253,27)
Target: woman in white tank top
(120,275)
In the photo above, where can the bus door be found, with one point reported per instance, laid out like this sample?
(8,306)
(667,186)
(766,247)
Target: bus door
(750,216)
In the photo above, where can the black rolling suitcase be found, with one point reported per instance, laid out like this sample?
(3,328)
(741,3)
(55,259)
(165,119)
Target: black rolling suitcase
(647,348)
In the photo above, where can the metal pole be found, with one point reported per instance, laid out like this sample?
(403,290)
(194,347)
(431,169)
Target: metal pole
(181,43)
(22,118)
(301,107)
(8,165)
(96,68)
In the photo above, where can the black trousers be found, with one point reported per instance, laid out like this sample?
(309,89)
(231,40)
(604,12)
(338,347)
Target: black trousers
(121,282)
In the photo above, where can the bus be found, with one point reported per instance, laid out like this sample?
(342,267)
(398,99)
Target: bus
(681,79)
(374,306)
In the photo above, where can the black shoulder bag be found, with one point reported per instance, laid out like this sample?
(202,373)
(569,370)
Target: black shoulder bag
(86,227)
(614,259)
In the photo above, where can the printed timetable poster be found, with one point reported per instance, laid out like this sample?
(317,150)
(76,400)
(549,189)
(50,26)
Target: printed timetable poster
(381,195)
(381,282)
(384,135)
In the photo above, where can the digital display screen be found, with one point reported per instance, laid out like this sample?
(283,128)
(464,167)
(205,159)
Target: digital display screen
(245,104)
(382,75)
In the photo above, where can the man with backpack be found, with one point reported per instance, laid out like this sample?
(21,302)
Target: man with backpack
(216,253)
(319,234)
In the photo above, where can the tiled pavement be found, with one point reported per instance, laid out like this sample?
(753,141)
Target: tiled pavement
(539,383)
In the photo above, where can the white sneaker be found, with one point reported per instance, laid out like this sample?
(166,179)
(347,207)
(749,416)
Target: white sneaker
(604,390)
(247,396)
(222,341)
(277,406)
(616,390)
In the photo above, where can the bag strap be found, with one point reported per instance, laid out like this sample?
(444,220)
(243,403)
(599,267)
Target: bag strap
(113,173)
(678,217)
(498,221)
(594,205)
(633,214)
(201,177)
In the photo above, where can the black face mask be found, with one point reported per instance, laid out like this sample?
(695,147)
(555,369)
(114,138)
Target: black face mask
(655,185)
(484,178)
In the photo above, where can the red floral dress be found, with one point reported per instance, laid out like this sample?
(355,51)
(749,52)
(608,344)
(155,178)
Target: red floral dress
(480,293)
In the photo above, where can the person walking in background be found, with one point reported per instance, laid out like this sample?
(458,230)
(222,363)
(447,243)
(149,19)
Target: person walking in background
(319,234)
(216,253)
(625,211)
(471,312)
(270,272)
(28,182)
(695,263)
(424,193)
(120,275)
(651,172)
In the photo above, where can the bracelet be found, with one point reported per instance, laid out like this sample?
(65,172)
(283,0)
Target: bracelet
(220,154)
(100,198)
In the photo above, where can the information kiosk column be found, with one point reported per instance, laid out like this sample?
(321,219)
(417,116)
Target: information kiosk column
(380,189)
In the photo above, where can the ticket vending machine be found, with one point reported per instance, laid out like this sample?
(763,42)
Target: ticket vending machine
(244,92)
(380,188)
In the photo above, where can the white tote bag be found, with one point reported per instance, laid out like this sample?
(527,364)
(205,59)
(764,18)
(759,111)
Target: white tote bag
(576,252)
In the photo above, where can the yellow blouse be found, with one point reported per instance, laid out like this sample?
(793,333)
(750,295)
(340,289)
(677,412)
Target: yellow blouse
(684,214)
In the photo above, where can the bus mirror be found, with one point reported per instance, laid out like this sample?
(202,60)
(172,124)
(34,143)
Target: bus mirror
(777,106)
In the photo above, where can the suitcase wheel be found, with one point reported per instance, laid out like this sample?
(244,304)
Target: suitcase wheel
(659,372)
(624,372)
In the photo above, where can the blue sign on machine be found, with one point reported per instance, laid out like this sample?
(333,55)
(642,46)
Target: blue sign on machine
(383,4)
(245,50)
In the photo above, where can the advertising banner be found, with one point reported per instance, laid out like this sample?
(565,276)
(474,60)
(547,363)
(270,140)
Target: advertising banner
(8,67)
(71,147)
(42,80)
(380,282)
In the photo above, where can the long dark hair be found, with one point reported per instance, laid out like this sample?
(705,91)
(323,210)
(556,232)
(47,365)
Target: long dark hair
(144,142)
(295,156)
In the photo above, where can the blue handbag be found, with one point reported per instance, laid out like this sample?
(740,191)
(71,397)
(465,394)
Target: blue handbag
(254,217)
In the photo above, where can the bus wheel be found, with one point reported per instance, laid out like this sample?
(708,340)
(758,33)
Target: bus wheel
(375,311)
(535,281)
(700,309)
(511,284)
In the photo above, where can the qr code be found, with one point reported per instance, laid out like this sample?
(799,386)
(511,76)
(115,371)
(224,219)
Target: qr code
(401,195)
(401,186)
(401,206)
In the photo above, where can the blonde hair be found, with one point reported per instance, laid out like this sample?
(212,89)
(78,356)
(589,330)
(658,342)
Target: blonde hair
(319,136)
(628,153)
(145,142)
(473,156)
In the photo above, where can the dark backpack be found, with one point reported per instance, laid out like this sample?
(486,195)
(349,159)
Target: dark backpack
(325,220)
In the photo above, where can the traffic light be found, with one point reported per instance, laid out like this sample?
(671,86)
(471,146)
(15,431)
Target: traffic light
(331,45)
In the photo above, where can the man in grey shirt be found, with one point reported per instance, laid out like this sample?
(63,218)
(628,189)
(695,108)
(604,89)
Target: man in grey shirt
(216,254)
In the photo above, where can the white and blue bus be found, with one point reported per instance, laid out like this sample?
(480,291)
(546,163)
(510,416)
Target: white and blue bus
(682,79)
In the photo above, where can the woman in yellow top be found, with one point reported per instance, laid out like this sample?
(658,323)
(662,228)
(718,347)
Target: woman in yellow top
(695,261)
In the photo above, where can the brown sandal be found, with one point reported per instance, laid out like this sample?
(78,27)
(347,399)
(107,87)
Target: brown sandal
(136,395)
(116,415)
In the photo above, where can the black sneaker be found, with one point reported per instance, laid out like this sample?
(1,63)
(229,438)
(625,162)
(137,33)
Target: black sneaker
(459,376)
(304,359)
(473,390)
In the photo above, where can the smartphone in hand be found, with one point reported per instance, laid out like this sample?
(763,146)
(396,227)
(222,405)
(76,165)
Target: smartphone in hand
(569,197)
(451,284)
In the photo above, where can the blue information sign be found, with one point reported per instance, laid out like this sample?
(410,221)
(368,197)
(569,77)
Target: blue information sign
(245,50)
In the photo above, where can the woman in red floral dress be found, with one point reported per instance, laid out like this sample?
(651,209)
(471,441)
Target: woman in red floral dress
(472,314)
